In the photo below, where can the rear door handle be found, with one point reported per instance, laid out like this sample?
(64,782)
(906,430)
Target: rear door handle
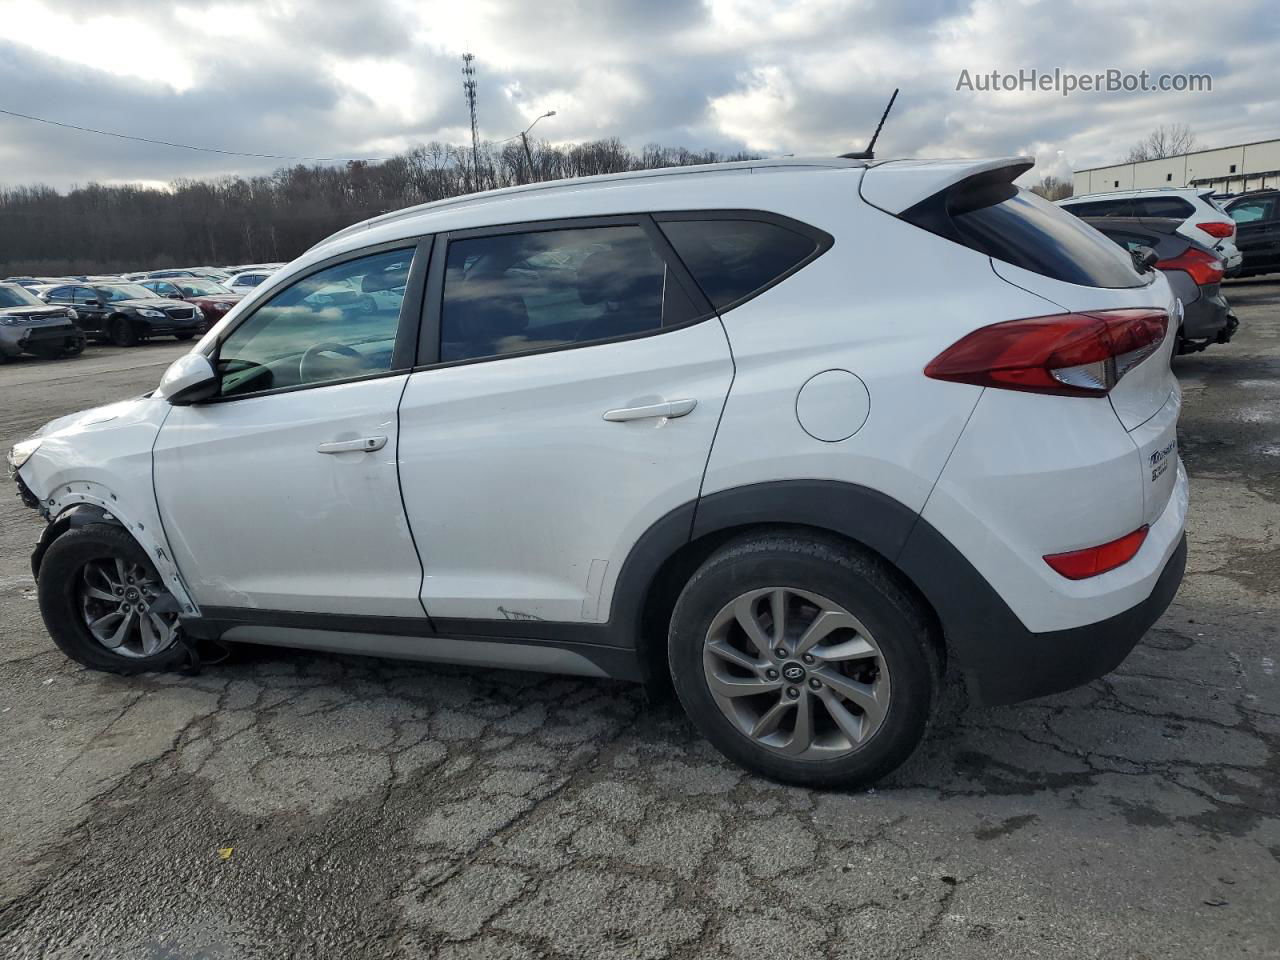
(668,408)
(364,444)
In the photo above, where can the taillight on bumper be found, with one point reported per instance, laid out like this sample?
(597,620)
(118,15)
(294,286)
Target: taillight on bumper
(1092,561)
(1204,268)
(1066,354)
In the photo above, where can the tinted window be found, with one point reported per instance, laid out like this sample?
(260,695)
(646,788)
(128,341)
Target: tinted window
(1100,208)
(1020,228)
(1174,207)
(530,291)
(1251,211)
(1131,241)
(85,294)
(338,323)
(59,293)
(734,259)
(124,291)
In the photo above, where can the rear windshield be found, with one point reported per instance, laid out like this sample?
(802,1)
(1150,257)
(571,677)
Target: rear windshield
(1018,227)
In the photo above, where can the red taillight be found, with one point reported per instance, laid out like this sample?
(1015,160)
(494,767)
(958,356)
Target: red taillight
(1204,267)
(1082,564)
(1218,229)
(1068,354)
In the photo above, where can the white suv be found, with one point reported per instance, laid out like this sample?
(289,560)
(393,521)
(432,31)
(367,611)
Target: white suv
(794,433)
(1202,219)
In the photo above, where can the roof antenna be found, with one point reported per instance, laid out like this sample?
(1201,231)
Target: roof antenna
(869,153)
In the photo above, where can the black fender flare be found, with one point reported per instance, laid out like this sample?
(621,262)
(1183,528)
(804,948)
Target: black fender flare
(850,510)
(74,516)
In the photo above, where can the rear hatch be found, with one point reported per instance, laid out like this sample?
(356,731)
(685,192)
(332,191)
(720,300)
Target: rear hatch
(1073,268)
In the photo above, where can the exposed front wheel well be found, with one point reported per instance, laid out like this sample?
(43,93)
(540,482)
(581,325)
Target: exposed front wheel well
(664,589)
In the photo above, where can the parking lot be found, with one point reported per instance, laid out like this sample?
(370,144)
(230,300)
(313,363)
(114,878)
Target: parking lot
(297,804)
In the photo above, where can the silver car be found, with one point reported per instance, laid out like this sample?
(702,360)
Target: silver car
(28,325)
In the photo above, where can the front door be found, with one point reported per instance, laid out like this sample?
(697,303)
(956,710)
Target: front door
(569,399)
(281,494)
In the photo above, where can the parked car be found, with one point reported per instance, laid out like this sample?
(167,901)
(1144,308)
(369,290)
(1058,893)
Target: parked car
(245,281)
(1257,219)
(659,425)
(28,325)
(212,298)
(1200,216)
(1194,271)
(127,313)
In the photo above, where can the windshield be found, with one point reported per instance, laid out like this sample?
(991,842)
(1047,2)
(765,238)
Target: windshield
(16,296)
(125,291)
(200,288)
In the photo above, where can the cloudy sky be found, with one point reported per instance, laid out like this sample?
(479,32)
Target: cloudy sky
(366,78)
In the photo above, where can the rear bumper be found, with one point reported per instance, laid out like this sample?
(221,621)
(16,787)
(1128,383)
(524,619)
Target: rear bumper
(1037,664)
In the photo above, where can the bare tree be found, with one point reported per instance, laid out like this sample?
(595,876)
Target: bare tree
(1051,188)
(100,229)
(1172,140)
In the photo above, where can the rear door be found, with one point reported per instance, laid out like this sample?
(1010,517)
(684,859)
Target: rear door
(570,383)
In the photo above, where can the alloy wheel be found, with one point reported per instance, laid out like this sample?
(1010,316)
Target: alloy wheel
(796,673)
(126,608)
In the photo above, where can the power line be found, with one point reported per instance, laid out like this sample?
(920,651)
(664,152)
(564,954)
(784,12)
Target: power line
(187,146)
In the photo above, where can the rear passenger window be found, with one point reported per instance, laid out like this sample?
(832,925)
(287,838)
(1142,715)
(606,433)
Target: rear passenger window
(1100,208)
(1175,207)
(517,292)
(732,260)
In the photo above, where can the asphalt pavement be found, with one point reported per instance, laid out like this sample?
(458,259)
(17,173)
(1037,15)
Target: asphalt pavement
(292,804)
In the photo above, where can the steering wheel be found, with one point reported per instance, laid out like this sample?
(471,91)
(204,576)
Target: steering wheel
(314,365)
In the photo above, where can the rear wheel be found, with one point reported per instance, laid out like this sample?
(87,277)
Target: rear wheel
(803,660)
(123,332)
(104,604)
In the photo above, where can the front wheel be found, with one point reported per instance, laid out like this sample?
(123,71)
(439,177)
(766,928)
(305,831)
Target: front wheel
(104,604)
(123,332)
(804,660)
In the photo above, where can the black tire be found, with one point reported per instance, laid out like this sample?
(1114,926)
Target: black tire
(123,332)
(860,583)
(75,349)
(183,336)
(57,590)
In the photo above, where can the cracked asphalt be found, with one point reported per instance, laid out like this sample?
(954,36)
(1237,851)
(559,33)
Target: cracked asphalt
(301,805)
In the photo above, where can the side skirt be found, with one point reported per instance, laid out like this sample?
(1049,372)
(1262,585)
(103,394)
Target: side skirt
(412,639)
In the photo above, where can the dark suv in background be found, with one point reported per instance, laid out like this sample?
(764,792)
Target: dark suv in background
(126,313)
(1257,217)
(1193,270)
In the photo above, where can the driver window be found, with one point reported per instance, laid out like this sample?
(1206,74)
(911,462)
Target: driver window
(335,324)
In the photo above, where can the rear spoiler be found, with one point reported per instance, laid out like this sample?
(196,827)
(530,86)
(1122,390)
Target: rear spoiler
(896,186)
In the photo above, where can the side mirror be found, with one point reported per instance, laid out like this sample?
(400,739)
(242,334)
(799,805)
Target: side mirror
(1144,258)
(189,379)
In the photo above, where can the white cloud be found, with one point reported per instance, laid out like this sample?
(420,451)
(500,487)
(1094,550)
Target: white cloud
(340,78)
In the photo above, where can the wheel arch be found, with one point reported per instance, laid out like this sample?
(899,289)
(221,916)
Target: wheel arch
(670,551)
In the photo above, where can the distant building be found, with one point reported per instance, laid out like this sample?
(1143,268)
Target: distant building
(1249,166)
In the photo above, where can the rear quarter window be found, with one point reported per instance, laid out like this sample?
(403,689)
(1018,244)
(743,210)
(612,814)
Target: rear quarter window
(735,259)
(1016,226)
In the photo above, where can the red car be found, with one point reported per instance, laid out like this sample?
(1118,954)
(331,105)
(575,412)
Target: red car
(212,298)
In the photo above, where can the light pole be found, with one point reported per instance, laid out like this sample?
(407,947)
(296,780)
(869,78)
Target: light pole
(524,138)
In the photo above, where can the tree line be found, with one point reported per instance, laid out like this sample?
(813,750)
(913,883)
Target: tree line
(231,220)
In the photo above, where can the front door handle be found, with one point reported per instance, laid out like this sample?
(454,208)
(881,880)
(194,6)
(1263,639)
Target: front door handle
(668,408)
(363,445)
